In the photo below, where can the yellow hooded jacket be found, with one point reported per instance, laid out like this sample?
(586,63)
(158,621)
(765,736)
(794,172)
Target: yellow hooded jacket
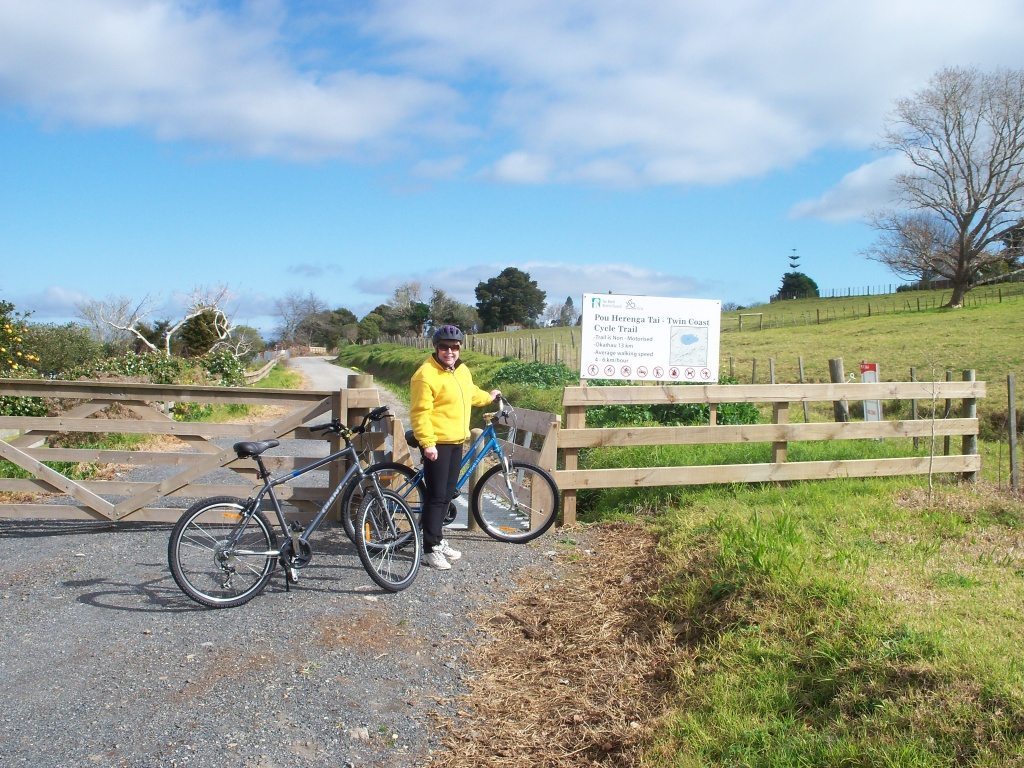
(441,401)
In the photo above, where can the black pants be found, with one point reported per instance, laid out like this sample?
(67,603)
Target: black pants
(441,476)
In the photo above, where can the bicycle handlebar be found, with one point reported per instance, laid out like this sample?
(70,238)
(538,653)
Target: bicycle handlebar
(335,425)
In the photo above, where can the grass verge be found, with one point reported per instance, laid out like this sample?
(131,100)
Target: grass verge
(847,623)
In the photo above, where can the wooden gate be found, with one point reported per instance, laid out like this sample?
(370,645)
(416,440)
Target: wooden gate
(143,410)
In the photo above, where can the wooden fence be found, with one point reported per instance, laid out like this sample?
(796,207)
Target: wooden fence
(140,411)
(575,434)
(543,438)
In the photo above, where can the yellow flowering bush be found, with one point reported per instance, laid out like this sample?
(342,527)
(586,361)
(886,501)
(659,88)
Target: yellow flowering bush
(16,361)
(15,357)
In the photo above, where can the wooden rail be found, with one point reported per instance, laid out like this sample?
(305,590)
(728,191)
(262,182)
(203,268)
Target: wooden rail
(576,435)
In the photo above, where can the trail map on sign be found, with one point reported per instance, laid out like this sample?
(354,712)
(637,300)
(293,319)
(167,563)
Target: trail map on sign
(650,338)
(689,346)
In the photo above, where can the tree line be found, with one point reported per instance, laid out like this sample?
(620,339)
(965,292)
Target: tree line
(116,326)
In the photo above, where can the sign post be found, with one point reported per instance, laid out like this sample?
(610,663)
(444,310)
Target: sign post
(869,375)
(650,338)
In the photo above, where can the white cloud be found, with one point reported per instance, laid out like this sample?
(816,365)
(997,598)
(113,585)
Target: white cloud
(598,91)
(522,168)
(693,93)
(54,304)
(858,193)
(184,70)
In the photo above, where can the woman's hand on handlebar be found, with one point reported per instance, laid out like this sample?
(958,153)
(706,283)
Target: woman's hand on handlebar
(495,394)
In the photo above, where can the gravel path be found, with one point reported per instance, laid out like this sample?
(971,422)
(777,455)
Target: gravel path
(106,663)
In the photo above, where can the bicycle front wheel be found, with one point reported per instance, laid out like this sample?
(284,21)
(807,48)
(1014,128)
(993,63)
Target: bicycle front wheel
(388,540)
(515,506)
(219,555)
(392,476)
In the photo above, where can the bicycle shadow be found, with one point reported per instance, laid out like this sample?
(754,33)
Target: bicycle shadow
(161,595)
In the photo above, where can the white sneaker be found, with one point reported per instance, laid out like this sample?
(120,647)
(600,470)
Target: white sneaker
(436,560)
(447,550)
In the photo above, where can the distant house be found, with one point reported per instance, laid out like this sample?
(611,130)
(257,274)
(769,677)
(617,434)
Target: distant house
(513,327)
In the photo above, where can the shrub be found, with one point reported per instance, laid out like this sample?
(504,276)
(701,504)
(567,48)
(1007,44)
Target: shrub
(544,375)
(673,414)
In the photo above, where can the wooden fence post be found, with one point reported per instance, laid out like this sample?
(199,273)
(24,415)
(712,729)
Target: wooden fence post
(800,364)
(1011,396)
(781,416)
(575,418)
(840,407)
(913,405)
(947,440)
(969,444)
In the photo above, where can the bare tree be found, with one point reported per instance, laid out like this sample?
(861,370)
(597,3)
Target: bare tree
(294,312)
(964,138)
(123,317)
(127,311)
(912,245)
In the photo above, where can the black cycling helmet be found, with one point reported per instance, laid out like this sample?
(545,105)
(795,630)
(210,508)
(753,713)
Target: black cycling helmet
(448,333)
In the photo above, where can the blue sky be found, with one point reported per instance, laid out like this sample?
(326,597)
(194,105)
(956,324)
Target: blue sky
(668,148)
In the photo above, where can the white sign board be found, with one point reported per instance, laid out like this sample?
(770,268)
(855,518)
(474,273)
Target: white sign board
(650,338)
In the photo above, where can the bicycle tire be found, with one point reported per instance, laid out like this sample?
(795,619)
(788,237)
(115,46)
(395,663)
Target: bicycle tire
(516,519)
(392,475)
(388,541)
(201,566)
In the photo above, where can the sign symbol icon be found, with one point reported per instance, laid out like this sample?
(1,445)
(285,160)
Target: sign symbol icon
(673,373)
(592,369)
(609,370)
(641,372)
(690,373)
(625,370)
(659,372)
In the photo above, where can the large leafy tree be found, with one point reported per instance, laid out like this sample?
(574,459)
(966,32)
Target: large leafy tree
(329,328)
(796,285)
(963,136)
(510,298)
(445,309)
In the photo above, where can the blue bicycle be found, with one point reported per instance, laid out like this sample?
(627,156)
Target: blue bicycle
(512,501)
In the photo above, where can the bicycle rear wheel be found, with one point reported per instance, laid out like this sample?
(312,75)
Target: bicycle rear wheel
(516,506)
(388,540)
(220,557)
(391,475)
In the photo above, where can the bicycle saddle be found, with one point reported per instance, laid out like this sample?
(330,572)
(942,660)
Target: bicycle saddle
(247,450)
(410,439)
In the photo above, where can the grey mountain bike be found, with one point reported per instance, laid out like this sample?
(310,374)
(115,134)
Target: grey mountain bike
(512,501)
(223,550)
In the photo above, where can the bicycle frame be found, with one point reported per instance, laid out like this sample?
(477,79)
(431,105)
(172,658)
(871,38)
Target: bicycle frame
(486,443)
(267,491)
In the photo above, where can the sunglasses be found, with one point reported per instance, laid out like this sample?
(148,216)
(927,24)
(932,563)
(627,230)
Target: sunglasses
(448,347)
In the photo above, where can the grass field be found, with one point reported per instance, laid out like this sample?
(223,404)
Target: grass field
(872,622)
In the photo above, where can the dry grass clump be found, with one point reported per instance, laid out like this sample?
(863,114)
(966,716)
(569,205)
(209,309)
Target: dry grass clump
(578,669)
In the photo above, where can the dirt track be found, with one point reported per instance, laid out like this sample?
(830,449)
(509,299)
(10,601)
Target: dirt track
(106,663)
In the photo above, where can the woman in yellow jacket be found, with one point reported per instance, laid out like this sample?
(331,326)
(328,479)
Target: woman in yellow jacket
(442,395)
